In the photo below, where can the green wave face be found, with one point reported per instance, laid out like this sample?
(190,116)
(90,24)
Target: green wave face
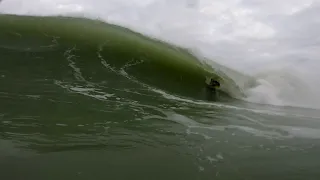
(51,45)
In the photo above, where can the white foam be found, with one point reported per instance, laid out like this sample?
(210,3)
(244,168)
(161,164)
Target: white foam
(211,159)
(301,132)
(221,105)
(285,86)
(268,131)
(90,92)
(60,124)
(188,131)
(219,156)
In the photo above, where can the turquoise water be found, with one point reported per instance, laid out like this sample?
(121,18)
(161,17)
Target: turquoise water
(82,99)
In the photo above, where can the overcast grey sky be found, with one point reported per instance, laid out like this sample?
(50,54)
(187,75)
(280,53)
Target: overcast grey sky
(255,31)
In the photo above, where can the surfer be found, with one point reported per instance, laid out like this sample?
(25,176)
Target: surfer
(212,85)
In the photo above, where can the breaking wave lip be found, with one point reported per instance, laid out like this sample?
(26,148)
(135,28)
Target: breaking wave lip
(283,86)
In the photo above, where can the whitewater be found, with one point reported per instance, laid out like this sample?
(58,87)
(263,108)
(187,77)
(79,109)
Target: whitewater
(266,41)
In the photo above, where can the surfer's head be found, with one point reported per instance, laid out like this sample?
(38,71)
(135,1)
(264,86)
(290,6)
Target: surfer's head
(214,83)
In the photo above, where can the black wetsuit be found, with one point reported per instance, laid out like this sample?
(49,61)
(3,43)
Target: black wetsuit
(214,83)
(211,91)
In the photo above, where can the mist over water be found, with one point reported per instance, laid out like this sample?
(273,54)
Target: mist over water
(276,42)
